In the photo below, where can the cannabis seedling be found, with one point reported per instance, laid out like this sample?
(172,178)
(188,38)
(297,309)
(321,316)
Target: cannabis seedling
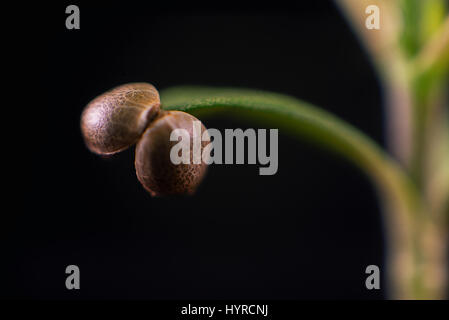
(411,55)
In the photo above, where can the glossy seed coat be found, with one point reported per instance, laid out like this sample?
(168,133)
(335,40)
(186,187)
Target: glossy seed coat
(116,119)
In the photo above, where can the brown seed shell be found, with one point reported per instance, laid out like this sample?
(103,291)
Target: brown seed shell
(116,119)
(154,168)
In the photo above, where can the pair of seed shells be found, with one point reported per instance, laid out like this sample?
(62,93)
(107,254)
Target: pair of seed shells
(131,114)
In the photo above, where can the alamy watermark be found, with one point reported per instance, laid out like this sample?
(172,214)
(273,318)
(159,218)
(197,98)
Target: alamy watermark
(373,280)
(213,151)
(73,19)
(73,280)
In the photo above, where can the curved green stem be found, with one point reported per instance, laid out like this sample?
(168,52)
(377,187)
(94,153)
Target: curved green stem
(405,208)
(305,121)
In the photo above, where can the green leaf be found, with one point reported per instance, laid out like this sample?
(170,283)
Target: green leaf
(304,121)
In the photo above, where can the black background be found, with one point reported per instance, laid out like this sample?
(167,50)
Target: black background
(307,232)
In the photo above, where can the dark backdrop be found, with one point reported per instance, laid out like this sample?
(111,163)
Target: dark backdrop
(307,232)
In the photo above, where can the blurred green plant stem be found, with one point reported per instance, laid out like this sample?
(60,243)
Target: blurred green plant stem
(411,55)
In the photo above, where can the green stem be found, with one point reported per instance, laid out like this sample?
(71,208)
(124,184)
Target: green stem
(303,120)
(411,55)
(404,215)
